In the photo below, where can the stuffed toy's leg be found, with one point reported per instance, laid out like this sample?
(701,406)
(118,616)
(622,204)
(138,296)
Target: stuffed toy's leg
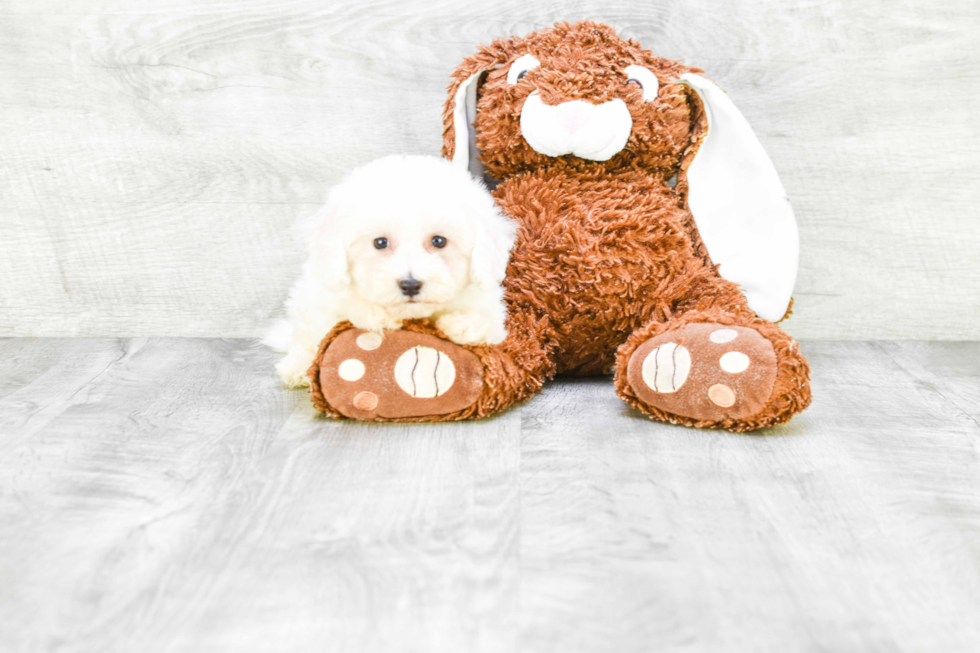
(417,375)
(716,365)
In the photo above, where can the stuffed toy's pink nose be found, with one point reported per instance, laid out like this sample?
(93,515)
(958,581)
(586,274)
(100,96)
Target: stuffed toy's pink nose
(573,115)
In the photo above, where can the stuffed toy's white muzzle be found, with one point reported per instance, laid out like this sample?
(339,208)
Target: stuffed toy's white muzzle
(590,131)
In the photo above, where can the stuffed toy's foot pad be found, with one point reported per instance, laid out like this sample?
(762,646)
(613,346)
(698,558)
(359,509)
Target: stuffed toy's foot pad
(367,375)
(705,371)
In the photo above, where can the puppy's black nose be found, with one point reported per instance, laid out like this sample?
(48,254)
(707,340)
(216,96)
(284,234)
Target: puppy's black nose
(410,287)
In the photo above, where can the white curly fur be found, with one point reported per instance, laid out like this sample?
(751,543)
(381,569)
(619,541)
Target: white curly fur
(407,200)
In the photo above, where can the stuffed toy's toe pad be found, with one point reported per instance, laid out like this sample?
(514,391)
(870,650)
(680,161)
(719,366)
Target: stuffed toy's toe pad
(705,371)
(369,376)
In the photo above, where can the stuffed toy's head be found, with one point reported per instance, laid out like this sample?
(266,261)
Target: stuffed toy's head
(568,94)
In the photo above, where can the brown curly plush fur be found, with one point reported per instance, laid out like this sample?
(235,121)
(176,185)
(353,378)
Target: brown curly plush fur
(607,254)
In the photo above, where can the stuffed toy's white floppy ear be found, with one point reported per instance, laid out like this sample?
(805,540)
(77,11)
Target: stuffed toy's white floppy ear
(740,207)
(464,113)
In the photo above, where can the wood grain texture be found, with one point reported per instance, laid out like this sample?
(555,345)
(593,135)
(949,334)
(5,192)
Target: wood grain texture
(167,495)
(153,154)
(853,528)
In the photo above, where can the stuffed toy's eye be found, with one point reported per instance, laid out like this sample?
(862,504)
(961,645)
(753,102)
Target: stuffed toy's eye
(645,79)
(380,243)
(524,64)
(439,241)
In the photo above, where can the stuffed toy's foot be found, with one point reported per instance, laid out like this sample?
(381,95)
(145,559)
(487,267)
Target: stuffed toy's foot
(397,374)
(417,375)
(733,375)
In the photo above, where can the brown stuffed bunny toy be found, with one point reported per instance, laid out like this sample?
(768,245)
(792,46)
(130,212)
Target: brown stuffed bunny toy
(672,285)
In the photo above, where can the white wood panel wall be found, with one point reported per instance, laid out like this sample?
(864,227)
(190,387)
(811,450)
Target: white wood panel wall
(153,153)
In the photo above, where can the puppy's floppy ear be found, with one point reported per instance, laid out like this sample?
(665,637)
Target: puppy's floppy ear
(740,207)
(327,251)
(459,133)
(491,250)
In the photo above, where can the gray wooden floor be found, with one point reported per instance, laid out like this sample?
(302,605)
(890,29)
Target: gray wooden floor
(167,495)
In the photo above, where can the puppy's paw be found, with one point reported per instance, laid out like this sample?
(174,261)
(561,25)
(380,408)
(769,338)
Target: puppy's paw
(372,318)
(470,329)
(293,367)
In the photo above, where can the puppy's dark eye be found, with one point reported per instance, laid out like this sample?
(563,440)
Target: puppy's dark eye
(380,243)
(439,241)
(635,81)
(522,74)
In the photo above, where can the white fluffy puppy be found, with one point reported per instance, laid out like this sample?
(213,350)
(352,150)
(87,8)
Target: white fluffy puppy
(399,238)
